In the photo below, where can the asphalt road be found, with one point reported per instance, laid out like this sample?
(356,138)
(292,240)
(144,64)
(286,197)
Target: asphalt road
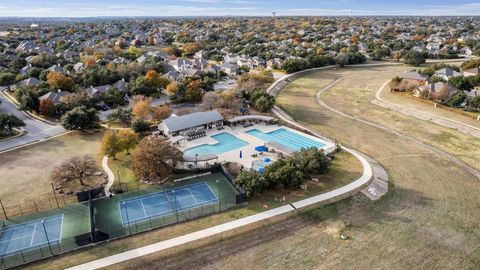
(36,130)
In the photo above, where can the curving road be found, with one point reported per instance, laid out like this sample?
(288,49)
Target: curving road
(446,122)
(396,133)
(36,130)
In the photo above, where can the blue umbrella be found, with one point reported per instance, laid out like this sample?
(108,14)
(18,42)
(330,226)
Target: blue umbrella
(241,155)
(261,169)
(266,159)
(261,148)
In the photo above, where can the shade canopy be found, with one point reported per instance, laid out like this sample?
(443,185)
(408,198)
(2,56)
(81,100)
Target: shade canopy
(261,148)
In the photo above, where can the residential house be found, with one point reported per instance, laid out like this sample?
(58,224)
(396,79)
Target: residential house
(97,91)
(56,97)
(30,82)
(230,69)
(447,73)
(436,91)
(414,77)
(471,72)
(121,85)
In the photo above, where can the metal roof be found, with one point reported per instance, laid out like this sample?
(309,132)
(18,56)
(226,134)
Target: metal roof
(177,123)
(251,117)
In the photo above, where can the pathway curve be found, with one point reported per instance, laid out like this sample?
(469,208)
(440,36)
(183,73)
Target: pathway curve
(443,121)
(111,176)
(394,132)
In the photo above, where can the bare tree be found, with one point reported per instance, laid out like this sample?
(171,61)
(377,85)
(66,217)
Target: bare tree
(76,169)
(154,159)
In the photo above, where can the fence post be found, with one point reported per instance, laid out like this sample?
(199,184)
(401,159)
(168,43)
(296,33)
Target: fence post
(54,194)
(35,205)
(3,208)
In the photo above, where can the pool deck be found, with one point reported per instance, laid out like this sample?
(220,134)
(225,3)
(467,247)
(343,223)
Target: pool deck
(248,150)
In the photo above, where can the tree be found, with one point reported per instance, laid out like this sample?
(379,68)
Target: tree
(475,102)
(27,99)
(114,97)
(9,122)
(172,88)
(312,161)
(191,48)
(111,144)
(261,100)
(284,173)
(292,65)
(194,91)
(7,78)
(154,78)
(80,118)
(76,169)
(142,86)
(251,182)
(141,107)
(58,80)
(154,159)
(414,58)
(210,100)
(161,112)
(122,115)
(141,126)
(46,107)
(128,139)
(457,100)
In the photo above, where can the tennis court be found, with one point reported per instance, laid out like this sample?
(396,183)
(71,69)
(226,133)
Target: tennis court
(29,235)
(165,203)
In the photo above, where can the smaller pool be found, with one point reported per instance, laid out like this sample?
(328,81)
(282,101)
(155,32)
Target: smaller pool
(226,142)
(287,138)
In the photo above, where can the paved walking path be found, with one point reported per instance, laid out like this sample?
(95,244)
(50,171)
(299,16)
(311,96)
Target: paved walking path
(443,121)
(111,176)
(439,152)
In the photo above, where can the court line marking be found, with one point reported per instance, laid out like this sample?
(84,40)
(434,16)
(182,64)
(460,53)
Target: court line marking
(143,208)
(33,234)
(159,193)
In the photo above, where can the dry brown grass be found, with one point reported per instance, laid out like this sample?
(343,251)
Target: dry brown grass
(25,172)
(430,219)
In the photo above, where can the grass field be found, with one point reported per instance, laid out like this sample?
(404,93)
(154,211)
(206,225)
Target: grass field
(25,172)
(429,220)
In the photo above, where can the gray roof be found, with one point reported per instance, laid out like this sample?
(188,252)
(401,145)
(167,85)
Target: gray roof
(177,123)
(251,117)
(448,72)
(414,76)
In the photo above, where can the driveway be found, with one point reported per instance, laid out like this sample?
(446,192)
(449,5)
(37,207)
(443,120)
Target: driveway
(36,130)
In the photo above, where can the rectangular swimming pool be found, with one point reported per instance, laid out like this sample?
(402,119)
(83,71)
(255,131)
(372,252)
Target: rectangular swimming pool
(287,138)
(226,142)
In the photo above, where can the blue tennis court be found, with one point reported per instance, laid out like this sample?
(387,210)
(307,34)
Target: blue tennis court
(29,235)
(164,203)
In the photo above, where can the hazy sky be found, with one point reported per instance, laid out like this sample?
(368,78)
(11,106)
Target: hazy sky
(86,8)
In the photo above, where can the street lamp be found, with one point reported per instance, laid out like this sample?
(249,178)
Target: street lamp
(196,160)
(46,236)
(54,194)
(175,203)
(128,220)
(219,195)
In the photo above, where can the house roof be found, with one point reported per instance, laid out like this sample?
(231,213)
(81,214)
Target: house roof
(448,72)
(413,75)
(177,123)
(55,97)
(473,70)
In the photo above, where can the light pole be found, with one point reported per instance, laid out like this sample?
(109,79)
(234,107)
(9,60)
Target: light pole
(54,194)
(128,220)
(175,203)
(46,236)
(219,195)
(196,160)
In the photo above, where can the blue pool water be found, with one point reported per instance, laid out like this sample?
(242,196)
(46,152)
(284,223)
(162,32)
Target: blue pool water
(287,138)
(226,142)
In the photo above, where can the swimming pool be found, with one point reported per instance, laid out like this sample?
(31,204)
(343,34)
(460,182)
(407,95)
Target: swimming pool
(287,138)
(226,142)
